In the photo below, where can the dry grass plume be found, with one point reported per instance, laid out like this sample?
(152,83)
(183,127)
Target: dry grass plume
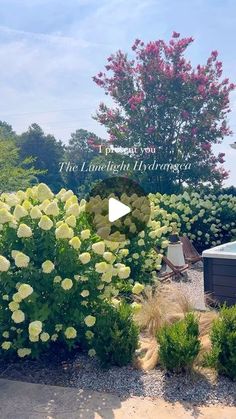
(165,305)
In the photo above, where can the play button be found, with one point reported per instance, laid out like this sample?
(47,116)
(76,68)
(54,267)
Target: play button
(117,209)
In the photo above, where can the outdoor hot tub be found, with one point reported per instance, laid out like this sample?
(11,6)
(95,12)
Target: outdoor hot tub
(220,272)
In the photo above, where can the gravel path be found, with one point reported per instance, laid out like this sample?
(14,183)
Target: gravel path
(85,373)
(192,286)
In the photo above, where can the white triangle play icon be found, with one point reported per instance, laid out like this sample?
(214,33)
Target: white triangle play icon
(116,210)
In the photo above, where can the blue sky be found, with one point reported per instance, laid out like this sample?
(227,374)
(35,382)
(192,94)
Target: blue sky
(50,49)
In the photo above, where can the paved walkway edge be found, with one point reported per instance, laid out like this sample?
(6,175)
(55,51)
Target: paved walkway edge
(20,400)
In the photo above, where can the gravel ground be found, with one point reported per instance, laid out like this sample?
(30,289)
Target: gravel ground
(201,387)
(192,286)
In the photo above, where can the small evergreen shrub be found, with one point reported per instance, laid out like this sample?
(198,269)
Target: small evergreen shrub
(179,344)
(223,338)
(116,336)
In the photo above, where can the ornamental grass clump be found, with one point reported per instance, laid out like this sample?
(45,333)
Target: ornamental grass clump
(55,274)
(179,344)
(167,305)
(223,339)
(162,305)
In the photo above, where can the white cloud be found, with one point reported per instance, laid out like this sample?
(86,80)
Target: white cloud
(53,71)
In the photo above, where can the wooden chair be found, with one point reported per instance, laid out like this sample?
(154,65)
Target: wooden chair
(191,254)
(176,271)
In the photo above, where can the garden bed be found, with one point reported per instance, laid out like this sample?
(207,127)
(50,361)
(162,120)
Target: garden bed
(202,386)
(67,295)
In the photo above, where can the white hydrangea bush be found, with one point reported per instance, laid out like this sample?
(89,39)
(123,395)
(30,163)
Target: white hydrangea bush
(54,272)
(143,252)
(208,220)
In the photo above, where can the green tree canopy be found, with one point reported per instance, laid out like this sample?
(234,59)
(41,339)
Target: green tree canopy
(47,152)
(6,131)
(82,147)
(15,173)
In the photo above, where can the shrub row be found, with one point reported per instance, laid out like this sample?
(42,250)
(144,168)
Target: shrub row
(208,220)
(180,343)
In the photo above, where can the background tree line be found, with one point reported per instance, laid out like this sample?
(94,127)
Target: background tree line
(34,157)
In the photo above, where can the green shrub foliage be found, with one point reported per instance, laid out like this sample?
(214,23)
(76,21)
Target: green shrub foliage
(179,344)
(223,338)
(116,336)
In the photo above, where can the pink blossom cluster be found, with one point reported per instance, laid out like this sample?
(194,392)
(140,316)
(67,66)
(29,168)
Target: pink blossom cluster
(162,98)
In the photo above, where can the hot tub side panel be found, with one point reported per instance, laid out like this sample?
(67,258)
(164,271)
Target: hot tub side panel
(220,279)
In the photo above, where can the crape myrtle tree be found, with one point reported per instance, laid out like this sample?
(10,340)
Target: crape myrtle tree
(162,101)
